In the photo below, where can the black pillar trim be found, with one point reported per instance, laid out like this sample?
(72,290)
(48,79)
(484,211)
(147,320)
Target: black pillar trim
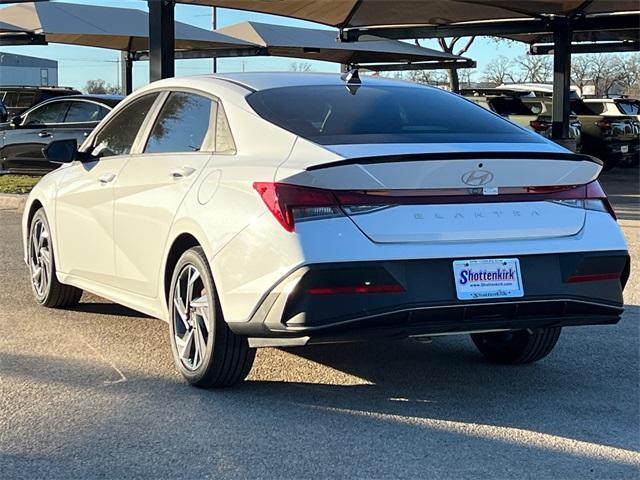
(161,39)
(562,35)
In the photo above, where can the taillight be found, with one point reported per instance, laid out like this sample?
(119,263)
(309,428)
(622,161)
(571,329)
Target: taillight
(289,203)
(539,125)
(589,197)
(293,203)
(604,124)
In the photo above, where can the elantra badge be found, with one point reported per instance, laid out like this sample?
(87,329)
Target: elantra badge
(477,178)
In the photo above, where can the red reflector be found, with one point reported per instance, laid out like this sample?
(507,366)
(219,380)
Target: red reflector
(593,277)
(356,289)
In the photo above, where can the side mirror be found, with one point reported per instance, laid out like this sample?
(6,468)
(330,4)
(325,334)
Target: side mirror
(16,121)
(61,151)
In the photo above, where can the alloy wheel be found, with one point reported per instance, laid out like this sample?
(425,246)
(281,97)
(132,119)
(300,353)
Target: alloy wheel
(40,258)
(191,318)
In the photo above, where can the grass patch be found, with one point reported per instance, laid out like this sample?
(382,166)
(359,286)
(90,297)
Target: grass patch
(17,183)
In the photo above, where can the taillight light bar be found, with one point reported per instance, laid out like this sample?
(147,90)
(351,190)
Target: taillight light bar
(289,203)
(392,288)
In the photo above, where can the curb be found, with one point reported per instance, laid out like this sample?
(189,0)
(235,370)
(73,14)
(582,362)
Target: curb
(12,201)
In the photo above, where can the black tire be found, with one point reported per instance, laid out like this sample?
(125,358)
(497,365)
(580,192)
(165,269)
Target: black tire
(50,292)
(227,359)
(517,347)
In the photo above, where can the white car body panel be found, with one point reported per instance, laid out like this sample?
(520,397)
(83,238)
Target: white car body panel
(114,240)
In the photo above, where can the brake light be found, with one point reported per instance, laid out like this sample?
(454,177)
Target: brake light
(392,288)
(289,203)
(604,124)
(539,125)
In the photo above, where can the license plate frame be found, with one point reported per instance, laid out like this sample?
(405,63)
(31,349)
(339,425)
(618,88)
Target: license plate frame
(488,278)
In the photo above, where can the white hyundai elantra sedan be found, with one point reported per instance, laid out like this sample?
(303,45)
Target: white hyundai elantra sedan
(254,210)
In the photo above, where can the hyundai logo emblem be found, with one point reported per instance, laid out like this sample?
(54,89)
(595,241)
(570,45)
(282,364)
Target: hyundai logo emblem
(477,178)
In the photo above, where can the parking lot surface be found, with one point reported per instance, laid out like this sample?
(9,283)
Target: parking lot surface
(92,393)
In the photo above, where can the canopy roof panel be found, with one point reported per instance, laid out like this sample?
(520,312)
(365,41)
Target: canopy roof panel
(315,44)
(104,27)
(361,13)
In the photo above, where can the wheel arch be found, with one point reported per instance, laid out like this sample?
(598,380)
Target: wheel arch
(180,244)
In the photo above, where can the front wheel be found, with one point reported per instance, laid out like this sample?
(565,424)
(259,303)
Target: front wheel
(46,288)
(517,347)
(205,350)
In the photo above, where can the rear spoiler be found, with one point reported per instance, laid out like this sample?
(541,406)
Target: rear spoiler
(416,157)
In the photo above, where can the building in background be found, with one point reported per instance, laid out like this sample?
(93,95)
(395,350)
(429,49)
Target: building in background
(25,70)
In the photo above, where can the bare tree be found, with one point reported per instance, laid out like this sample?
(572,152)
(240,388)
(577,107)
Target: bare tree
(429,77)
(499,71)
(301,67)
(535,68)
(628,72)
(99,86)
(581,71)
(603,73)
(448,46)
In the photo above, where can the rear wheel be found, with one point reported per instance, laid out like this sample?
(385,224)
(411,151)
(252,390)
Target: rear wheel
(205,350)
(517,347)
(42,266)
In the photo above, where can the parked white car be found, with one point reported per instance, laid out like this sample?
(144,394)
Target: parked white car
(252,210)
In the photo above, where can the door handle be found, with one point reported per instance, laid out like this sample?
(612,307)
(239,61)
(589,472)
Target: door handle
(107,178)
(181,172)
(44,134)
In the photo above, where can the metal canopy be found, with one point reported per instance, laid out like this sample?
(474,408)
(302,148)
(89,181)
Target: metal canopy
(121,29)
(314,44)
(363,13)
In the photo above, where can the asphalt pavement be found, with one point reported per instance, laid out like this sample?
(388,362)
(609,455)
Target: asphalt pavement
(92,393)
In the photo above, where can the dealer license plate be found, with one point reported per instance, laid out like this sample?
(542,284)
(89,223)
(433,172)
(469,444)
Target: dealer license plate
(488,278)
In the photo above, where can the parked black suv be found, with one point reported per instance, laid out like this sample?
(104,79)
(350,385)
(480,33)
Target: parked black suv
(69,117)
(18,99)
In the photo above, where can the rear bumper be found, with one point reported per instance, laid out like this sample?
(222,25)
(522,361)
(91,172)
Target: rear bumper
(428,304)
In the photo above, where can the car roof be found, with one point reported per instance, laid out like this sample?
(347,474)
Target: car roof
(37,88)
(268,80)
(109,100)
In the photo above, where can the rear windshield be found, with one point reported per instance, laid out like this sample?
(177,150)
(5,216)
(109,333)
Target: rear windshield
(628,107)
(510,106)
(335,115)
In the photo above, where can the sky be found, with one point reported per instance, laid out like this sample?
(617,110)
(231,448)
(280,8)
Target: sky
(77,65)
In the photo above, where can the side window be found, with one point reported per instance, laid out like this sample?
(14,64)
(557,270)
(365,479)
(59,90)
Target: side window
(53,112)
(224,138)
(84,112)
(118,135)
(27,99)
(183,124)
(596,107)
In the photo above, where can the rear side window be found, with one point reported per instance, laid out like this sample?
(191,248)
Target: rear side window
(183,124)
(628,107)
(48,113)
(26,99)
(11,99)
(85,112)
(334,114)
(117,137)
(596,107)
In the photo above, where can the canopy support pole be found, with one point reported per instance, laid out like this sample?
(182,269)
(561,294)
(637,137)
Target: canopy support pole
(162,39)
(126,72)
(562,36)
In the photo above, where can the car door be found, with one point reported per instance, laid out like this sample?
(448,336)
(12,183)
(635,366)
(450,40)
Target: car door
(153,184)
(24,141)
(84,203)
